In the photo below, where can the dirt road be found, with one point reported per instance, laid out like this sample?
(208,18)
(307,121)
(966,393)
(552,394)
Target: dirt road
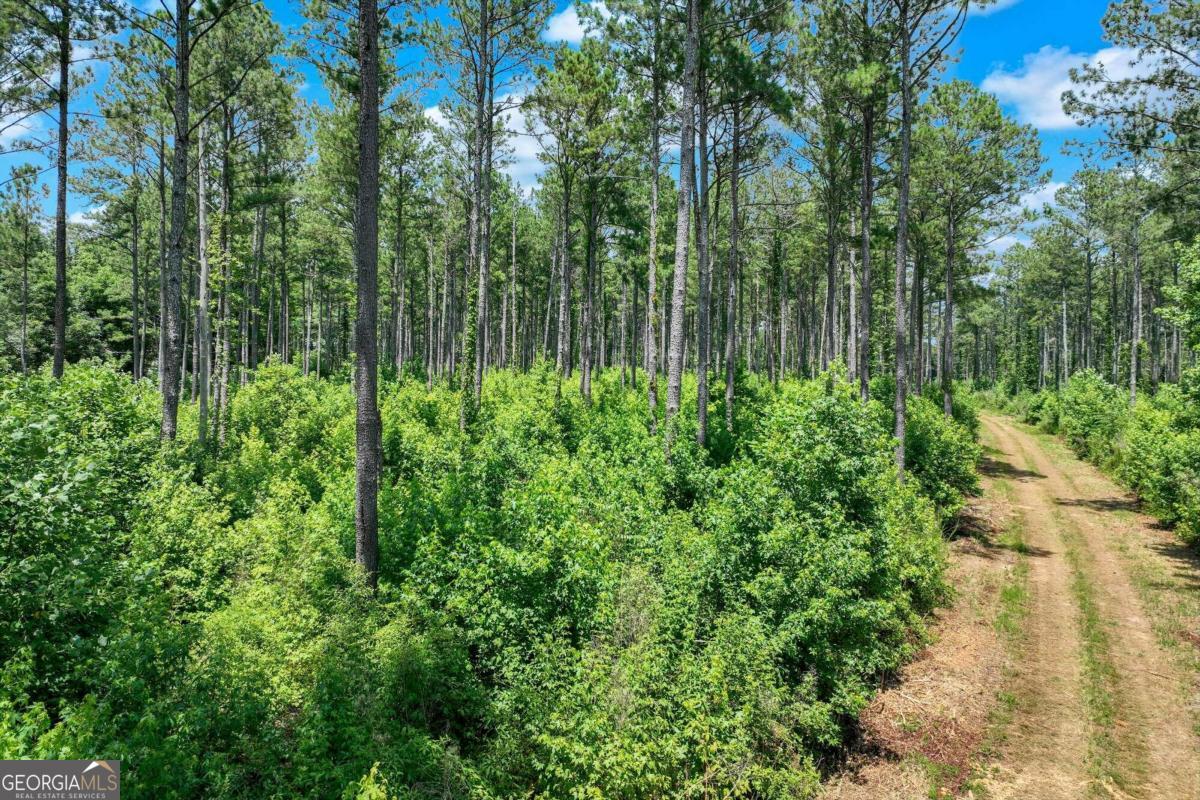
(1096,617)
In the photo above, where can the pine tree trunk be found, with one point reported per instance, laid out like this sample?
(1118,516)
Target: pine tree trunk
(652,305)
(162,250)
(866,192)
(900,403)
(1088,344)
(732,271)
(563,352)
(682,218)
(202,323)
(25,298)
(368,443)
(1135,326)
(852,339)
(134,234)
(171,310)
(704,303)
(588,310)
(60,211)
(947,368)
(829,346)
(285,293)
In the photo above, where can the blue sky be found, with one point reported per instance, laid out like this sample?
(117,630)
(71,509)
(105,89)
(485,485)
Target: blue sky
(1020,50)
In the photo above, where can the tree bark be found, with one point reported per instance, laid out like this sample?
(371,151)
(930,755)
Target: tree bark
(866,198)
(703,310)
(366,255)
(203,335)
(652,306)
(733,270)
(947,368)
(179,170)
(900,402)
(134,234)
(1135,339)
(682,217)
(60,212)
(563,353)
(587,312)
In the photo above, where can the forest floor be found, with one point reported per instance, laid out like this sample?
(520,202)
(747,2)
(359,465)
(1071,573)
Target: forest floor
(1068,665)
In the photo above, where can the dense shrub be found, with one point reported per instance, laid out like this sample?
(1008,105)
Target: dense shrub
(73,459)
(941,454)
(964,404)
(1160,458)
(1043,411)
(1091,416)
(563,611)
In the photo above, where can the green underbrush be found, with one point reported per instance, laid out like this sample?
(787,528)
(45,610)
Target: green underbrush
(563,611)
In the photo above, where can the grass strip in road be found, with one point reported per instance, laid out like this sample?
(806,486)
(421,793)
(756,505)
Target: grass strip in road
(1170,604)
(1116,755)
(1010,619)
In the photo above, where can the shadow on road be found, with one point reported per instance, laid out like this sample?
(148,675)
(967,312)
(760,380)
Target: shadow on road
(1002,469)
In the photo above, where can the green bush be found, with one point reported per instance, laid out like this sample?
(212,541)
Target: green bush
(73,458)
(562,610)
(964,404)
(1043,410)
(1160,459)
(941,454)
(1091,416)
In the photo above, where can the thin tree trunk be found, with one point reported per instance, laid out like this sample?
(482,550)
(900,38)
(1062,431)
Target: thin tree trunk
(25,298)
(162,250)
(179,170)
(652,305)
(852,338)
(900,403)
(830,326)
(866,193)
(285,306)
(703,310)
(733,270)
(60,210)
(682,218)
(563,354)
(587,312)
(368,443)
(1135,339)
(134,234)
(947,368)
(202,322)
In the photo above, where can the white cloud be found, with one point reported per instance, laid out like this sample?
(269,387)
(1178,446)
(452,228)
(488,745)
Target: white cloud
(17,126)
(1002,244)
(86,216)
(519,158)
(522,163)
(983,11)
(1035,200)
(1036,88)
(566,25)
(435,115)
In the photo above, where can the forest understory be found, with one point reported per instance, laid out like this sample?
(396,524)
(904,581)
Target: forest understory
(602,399)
